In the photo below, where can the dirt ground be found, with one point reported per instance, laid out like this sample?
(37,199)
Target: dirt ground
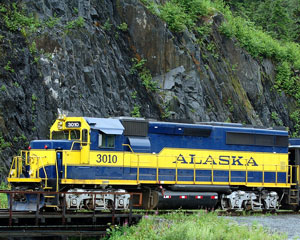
(288,224)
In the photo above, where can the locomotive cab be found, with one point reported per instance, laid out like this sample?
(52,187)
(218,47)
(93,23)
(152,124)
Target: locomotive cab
(43,163)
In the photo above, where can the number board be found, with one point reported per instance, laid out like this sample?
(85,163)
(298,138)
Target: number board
(73,124)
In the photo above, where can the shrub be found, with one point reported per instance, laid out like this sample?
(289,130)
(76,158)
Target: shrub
(123,27)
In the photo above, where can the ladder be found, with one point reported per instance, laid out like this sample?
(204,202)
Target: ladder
(293,196)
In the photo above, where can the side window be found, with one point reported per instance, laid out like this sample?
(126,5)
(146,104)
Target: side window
(101,140)
(106,141)
(84,137)
(110,141)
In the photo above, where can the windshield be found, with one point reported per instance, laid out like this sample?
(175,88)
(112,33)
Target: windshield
(67,135)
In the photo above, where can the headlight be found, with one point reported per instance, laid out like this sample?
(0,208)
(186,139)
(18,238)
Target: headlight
(59,125)
(12,172)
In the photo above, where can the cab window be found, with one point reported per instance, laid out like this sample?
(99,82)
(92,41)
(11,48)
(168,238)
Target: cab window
(66,135)
(110,140)
(106,141)
(75,134)
(59,135)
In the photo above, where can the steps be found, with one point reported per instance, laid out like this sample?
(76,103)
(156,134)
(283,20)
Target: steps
(293,196)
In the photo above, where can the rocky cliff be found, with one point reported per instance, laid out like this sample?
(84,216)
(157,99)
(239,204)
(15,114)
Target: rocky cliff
(106,58)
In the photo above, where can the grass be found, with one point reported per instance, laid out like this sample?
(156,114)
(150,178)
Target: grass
(3,196)
(202,225)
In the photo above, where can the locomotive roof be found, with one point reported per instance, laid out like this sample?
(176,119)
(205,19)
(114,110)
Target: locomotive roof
(294,143)
(227,126)
(106,125)
(116,126)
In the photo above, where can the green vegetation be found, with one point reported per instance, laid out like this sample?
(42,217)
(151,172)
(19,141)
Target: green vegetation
(15,19)
(3,143)
(198,226)
(166,111)
(32,48)
(276,118)
(34,97)
(123,27)
(144,74)
(52,22)
(77,23)
(134,94)
(107,25)
(7,67)
(16,84)
(3,196)
(136,111)
(230,105)
(3,88)
(280,18)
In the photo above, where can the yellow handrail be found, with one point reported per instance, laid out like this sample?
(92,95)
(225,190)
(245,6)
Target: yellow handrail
(65,163)
(176,173)
(157,169)
(276,175)
(128,146)
(138,169)
(11,167)
(46,176)
(56,168)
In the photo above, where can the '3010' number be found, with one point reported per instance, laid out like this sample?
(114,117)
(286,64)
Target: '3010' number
(103,158)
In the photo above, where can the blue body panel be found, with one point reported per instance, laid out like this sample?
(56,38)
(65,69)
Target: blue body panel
(54,144)
(294,142)
(171,135)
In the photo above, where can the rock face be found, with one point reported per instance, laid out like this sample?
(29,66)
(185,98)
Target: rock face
(87,70)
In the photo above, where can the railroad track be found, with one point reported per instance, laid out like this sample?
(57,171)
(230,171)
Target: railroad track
(32,224)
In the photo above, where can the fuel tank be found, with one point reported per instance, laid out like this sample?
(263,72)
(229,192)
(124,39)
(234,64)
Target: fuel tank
(186,200)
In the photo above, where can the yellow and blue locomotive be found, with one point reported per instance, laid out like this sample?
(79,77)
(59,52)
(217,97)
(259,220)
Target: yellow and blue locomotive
(171,164)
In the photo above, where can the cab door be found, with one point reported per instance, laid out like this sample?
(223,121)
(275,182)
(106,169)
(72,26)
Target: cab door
(294,160)
(85,147)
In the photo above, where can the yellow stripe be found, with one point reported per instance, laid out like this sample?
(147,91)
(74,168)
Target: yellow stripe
(24,180)
(134,182)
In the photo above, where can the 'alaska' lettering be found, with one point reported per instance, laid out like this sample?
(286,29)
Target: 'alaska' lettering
(222,160)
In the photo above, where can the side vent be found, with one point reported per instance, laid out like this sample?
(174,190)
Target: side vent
(135,127)
(199,132)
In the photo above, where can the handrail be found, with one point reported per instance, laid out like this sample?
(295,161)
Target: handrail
(11,166)
(263,175)
(276,175)
(129,147)
(46,176)
(194,177)
(176,173)
(138,169)
(157,178)
(65,163)
(56,168)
